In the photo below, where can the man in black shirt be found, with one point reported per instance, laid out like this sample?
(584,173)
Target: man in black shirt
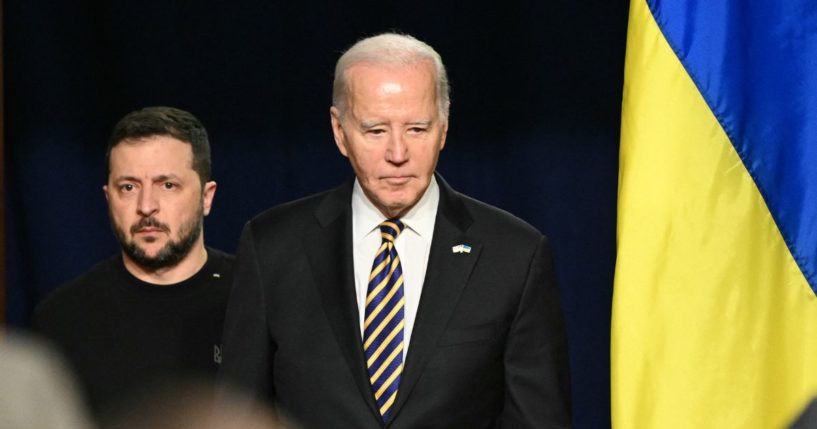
(155,311)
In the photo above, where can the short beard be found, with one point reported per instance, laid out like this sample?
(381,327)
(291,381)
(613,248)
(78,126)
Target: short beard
(172,253)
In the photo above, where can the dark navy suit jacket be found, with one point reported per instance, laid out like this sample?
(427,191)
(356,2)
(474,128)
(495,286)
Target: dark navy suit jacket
(488,348)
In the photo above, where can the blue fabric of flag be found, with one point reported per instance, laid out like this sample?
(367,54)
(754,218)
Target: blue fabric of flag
(755,63)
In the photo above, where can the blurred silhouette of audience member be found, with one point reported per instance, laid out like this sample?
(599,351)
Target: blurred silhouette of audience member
(808,419)
(36,391)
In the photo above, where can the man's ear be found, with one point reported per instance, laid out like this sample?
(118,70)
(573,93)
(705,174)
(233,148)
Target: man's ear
(105,191)
(207,195)
(444,135)
(337,130)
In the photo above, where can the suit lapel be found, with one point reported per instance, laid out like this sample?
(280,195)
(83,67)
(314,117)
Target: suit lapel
(446,276)
(331,258)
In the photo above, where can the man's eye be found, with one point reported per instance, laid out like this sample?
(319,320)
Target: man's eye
(376,131)
(127,187)
(417,130)
(169,185)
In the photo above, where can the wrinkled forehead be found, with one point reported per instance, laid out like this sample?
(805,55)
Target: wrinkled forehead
(408,86)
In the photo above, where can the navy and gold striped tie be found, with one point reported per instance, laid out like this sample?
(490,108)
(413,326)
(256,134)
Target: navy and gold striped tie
(383,328)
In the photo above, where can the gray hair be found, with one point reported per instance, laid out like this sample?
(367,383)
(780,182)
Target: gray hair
(389,49)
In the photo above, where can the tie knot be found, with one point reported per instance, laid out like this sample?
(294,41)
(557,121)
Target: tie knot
(390,229)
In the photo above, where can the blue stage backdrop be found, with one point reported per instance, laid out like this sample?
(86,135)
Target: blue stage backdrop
(536,94)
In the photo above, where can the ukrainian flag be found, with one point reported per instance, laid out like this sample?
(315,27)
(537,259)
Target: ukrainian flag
(714,308)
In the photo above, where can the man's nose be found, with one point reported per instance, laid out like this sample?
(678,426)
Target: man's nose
(397,150)
(148,204)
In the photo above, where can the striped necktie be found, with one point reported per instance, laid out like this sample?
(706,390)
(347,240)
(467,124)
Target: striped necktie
(383,327)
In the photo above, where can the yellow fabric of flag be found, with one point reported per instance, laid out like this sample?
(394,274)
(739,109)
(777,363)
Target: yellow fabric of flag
(714,324)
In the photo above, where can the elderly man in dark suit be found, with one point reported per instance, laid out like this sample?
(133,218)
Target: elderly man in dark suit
(392,300)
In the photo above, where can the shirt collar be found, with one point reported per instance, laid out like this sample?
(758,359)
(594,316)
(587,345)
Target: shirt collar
(420,219)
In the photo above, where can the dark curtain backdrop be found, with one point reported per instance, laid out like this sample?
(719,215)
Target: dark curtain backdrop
(536,94)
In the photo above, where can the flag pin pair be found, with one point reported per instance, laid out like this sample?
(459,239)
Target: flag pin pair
(461,248)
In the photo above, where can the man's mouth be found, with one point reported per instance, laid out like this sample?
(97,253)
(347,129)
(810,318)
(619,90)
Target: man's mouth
(149,226)
(396,180)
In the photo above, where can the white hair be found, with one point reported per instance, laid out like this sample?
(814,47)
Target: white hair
(389,49)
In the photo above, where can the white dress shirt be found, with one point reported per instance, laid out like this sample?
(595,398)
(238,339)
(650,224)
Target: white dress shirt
(413,246)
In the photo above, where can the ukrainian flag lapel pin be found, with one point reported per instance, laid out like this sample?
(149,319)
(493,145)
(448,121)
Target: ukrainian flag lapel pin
(461,248)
